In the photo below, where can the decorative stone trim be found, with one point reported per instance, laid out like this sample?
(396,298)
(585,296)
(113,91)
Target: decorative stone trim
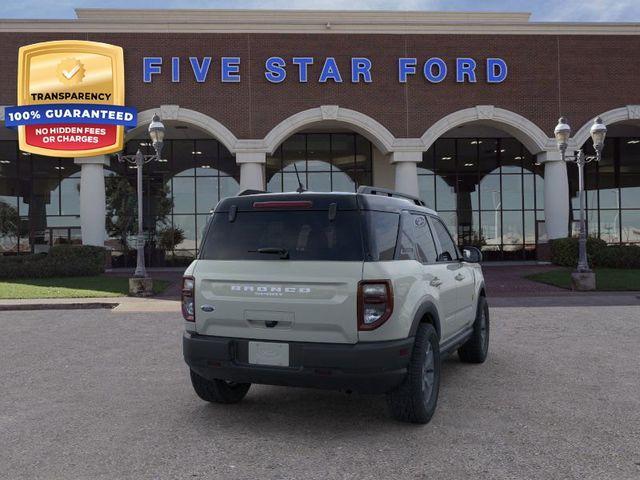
(628,112)
(532,136)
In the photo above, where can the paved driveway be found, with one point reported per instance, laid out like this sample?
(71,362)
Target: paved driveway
(105,395)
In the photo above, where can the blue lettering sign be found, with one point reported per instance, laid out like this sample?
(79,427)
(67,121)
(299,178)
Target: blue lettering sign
(275,69)
(330,71)
(303,64)
(406,66)
(175,69)
(360,67)
(230,70)
(200,71)
(151,66)
(428,70)
(465,67)
(496,70)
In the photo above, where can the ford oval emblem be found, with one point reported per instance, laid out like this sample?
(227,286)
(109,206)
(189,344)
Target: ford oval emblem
(207,308)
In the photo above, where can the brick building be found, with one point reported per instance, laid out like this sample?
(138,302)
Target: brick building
(458,108)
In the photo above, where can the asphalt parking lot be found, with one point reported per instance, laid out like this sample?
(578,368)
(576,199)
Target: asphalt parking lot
(104,395)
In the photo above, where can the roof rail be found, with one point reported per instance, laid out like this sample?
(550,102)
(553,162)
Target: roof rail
(390,193)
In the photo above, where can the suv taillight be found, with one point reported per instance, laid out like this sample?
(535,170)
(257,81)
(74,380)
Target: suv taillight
(375,303)
(188,294)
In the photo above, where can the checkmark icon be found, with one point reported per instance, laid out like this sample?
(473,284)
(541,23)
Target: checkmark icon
(71,73)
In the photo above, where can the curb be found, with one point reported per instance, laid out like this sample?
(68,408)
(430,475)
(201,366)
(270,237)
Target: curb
(57,306)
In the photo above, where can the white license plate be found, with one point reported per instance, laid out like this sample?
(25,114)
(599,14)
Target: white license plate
(269,353)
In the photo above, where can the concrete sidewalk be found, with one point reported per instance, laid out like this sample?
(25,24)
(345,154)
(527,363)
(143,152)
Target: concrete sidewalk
(118,304)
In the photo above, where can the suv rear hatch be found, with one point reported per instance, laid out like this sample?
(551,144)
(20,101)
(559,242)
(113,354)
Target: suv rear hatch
(281,267)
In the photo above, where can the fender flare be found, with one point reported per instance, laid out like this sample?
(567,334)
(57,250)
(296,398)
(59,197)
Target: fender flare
(427,308)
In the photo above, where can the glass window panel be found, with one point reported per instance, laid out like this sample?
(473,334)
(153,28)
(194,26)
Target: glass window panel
(530,227)
(70,196)
(426,186)
(445,194)
(608,188)
(488,155)
(202,221)
(229,187)
(68,221)
(207,194)
(467,154)
(539,192)
(319,182)
(630,190)
(467,192)
(528,191)
(445,156)
(512,229)
(343,150)
(363,153)
(490,198)
(426,166)
(290,181)
(206,153)
(182,163)
(44,166)
(491,225)
(294,151)
(8,159)
(274,183)
(188,225)
(342,182)
(512,192)
(631,226)
(227,164)
(45,196)
(610,226)
(183,195)
(629,155)
(468,227)
(511,155)
(319,152)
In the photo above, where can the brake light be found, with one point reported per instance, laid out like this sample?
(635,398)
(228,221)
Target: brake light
(188,300)
(284,204)
(375,303)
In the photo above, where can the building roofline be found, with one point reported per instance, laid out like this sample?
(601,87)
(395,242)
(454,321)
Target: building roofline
(310,21)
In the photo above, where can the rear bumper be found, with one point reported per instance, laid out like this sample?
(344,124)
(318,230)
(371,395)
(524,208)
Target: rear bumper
(375,367)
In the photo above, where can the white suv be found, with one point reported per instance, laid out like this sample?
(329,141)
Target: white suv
(351,291)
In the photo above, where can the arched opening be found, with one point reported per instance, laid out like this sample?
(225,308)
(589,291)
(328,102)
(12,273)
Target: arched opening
(39,199)
(612,186)
(196,171)
(487,187)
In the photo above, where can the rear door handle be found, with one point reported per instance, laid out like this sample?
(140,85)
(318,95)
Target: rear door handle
(459,277)
(436,282)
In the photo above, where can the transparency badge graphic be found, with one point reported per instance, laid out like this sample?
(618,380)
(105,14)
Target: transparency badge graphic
(70,99)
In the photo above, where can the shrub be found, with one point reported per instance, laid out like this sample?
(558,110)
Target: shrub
(564,252)
(61,261)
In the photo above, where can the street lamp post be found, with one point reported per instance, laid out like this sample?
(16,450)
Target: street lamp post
(562,133)
(156,133)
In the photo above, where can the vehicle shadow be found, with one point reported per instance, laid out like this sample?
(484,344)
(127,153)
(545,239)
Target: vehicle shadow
(302,411)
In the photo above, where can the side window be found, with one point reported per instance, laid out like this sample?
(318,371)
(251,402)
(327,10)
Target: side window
(449,250)
(425,246)
(406,249)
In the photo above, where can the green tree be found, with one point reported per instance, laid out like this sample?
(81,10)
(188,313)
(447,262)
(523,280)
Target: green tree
(9,221)
(122,208)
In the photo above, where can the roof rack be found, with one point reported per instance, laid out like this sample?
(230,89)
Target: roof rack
(390,193)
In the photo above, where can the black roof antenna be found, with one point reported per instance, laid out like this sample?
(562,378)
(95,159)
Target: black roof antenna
(300,188)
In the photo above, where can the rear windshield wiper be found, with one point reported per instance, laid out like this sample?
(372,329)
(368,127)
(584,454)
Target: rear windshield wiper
(283,252)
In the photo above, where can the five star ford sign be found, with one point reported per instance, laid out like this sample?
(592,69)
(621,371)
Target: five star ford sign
(70,99)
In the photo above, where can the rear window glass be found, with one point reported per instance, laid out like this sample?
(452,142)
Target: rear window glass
(304,235)
(382,235)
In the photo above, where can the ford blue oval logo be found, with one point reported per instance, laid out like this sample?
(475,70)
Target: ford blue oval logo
(207,308)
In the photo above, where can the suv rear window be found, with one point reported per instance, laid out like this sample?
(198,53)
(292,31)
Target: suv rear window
(304,235)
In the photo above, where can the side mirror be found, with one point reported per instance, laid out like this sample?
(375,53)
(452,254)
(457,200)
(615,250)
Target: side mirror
(471,254)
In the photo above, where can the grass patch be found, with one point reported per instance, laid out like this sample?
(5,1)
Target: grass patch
(607,279)
(71,287)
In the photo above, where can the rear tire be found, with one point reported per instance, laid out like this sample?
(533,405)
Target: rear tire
(416,398)
(218,391)
(475,350)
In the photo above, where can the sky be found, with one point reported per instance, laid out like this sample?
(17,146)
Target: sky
(542,10)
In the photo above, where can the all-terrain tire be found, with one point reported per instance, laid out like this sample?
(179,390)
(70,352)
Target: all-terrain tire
(475,349)
(416,398)
(218,391)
